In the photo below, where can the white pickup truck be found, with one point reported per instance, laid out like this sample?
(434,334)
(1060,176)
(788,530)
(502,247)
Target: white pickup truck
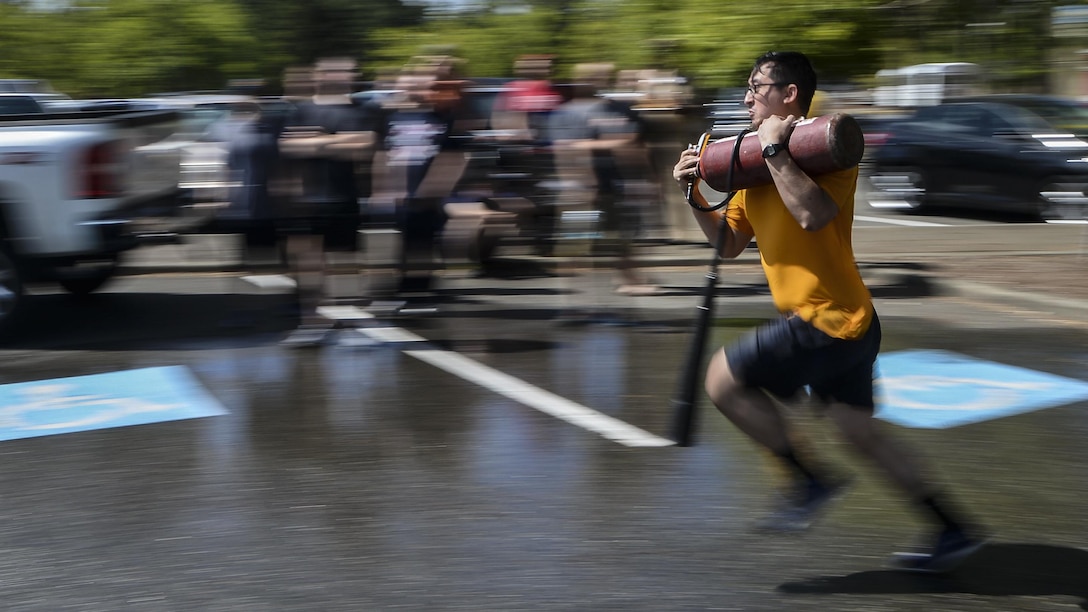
(77,190)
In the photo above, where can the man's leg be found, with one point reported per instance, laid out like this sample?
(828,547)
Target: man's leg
(860,429)
(750,410)
(757,415)
(305,253)
(309,264)
(955,541)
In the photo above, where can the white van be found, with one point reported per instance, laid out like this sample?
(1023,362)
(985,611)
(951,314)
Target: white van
(926,84)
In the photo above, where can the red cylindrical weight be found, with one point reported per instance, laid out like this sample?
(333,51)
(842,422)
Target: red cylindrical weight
(818,145)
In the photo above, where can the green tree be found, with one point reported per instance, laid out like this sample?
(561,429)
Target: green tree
(487,41)
(713,44)
(133,47)
(35,45)
(293,33)
(123,47)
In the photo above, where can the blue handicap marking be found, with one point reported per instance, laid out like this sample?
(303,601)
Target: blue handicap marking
(116,399)
(939,389)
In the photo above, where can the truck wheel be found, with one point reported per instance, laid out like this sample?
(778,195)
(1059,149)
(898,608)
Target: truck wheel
(84,285)
(85,282)
(11,290)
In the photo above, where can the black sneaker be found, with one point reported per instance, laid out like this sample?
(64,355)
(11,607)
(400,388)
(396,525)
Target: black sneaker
(798,511)
(952,548)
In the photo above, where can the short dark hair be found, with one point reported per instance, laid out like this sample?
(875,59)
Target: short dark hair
(791,67)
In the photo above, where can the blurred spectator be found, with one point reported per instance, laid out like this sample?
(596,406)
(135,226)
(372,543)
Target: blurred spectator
(522,110)
(326,145)
(252,159)
(298,83)
(598,151)
(428,133)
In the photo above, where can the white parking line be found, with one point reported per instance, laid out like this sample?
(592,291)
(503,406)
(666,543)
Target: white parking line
(391,334)
(906,222)
(270,281)
(521,391)
(343,313)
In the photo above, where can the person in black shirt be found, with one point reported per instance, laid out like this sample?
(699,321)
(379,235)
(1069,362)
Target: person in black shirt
(324,145)
(426,140)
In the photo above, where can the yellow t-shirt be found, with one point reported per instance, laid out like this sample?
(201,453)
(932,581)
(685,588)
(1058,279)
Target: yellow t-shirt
(811,274)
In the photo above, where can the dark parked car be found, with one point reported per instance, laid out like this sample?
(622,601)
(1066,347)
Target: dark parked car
(877,128)
(1067,114)
(998,153)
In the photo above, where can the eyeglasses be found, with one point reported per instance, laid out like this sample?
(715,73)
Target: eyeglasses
(754,87)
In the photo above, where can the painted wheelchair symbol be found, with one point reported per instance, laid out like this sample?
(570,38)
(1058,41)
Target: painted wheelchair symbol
(936,389)
(936,392)
(97,401)
(52,406)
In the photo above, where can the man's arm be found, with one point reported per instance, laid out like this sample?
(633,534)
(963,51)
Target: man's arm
(810,205)
(311,142)
(604,142)
(349,145)
(710,222)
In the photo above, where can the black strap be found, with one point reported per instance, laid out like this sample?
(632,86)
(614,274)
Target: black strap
(693,198)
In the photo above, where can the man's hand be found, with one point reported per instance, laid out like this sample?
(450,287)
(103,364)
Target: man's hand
(809,204)
(775,129)
(686,169)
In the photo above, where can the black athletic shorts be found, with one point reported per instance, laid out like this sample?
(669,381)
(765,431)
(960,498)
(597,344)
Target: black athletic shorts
(789,353)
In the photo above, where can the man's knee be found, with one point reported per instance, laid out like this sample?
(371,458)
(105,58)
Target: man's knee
(720,382)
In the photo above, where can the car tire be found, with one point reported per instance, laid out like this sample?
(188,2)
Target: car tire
(1060,199)
(11,290)
(906,184)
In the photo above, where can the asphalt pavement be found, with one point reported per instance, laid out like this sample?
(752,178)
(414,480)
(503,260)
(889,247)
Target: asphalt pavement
(509,449)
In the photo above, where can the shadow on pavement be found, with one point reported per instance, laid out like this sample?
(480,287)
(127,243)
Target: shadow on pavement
(905,286)
(999,570)
(466,292)
(495,346)
(128,321)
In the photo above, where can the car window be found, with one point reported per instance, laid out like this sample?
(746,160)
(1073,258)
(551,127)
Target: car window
(956,119)
(1002,125)
(975,120)
(198,122)
(928,113)
(1024,120)
(18,105)
(1065,117)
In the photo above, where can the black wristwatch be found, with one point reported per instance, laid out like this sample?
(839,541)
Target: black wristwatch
(773,149)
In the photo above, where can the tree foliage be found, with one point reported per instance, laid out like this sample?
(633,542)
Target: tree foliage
(128,47)
(131,47)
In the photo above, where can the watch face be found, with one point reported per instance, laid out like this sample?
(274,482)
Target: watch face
(773,149)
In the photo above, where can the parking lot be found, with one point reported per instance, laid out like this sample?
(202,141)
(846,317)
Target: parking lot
(475,457)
